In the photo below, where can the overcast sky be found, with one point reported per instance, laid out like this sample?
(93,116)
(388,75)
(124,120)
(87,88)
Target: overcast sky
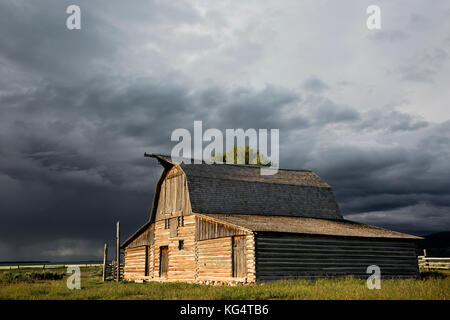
(368,110)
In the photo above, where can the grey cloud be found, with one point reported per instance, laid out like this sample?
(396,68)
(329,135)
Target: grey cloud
(315,84)
(325,111)
(76,153)
(393,36)
(31,43)
(60,250)
(268,108)
(426,218)
(344,83)
(387,119)
(425,66)
(386,176)
(62,145)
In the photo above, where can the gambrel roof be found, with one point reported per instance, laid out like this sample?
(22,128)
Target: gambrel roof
(241,189)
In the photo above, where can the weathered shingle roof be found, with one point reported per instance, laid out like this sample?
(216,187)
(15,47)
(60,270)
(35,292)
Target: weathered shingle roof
(241,189)
(308,226)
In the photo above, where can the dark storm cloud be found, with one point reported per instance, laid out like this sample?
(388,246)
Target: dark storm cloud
(75,123)
(270,107)
(34,39)
(421,219)
(377,177)
(390,120)
(325,111)
(75,154)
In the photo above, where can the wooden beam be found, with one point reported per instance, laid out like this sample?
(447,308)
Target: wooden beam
(118,252)
(105,255)
(425,258)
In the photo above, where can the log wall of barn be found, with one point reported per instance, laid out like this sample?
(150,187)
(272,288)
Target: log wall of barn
(250,257)
(202,260)
(135,257)
(213,232)
(215,259)
(282,255)
(134,267)
(182,263)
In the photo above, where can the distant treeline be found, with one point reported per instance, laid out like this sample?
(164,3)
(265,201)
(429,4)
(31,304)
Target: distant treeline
(46,262)
(18,262)
(437,244)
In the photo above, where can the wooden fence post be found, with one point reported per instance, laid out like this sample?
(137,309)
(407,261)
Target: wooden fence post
(427,266)
(113,269)
(118,252)
(105,254)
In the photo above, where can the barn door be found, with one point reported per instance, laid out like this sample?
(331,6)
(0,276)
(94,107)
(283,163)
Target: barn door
(147,249)
(239,265)
(163,261)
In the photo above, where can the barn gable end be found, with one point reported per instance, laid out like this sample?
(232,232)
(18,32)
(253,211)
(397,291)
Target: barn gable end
(173,200)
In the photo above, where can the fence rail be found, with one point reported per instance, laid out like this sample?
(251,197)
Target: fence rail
(48,266)
(434,263)
(111,270)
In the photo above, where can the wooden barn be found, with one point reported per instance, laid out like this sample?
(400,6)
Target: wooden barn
(227,223)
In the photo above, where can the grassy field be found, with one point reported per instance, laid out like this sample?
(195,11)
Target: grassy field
(434,285)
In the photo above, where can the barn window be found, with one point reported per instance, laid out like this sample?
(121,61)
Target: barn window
(181,221)
(166,223)
(180,244)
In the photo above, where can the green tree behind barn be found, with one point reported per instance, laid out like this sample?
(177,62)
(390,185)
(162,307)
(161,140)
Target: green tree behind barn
(240,155)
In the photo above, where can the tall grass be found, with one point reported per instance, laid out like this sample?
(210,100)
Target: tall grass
(430,286)
(11,277)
